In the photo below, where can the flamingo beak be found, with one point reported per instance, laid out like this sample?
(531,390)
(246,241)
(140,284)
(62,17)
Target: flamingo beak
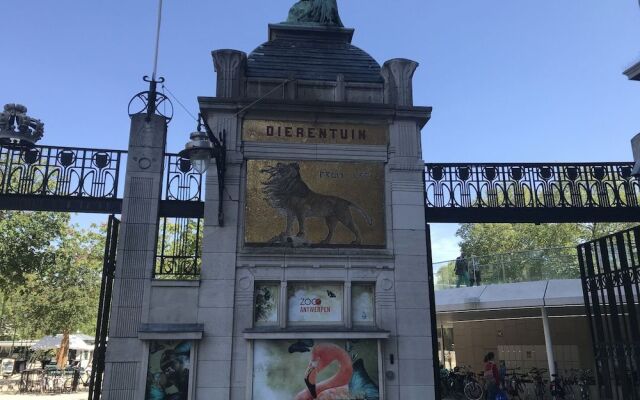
(311,386)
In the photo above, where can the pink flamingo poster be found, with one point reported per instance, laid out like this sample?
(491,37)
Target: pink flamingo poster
(315,369)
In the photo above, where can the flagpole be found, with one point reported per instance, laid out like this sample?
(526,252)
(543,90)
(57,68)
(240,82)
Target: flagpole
(157,49)
(153,82)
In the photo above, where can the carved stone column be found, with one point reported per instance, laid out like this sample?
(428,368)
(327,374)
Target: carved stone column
(398,81)
(230,66)
(124,375)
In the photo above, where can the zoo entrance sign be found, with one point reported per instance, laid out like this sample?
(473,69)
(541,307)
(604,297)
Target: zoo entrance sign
(313,133)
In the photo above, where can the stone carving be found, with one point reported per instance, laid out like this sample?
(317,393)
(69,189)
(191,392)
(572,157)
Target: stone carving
(17,126)
(315,12)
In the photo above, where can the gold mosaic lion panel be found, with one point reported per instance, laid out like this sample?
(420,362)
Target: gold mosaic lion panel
(315,204)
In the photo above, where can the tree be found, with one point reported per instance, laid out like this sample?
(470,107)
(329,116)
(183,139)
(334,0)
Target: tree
(27,241)
(62,296)
(512,252)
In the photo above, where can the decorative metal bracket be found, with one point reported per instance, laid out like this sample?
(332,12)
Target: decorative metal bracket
(219,152)
(149,102)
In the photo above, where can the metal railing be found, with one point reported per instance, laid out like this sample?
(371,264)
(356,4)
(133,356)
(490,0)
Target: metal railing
(534,191)
(60,171)
(525,266)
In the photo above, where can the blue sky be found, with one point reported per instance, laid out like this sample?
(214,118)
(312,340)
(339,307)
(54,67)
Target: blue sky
(519,80)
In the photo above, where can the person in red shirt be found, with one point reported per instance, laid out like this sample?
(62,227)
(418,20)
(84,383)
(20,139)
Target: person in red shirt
(491,376)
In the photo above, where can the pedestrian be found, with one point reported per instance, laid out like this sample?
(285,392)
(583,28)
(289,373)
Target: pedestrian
(491,376)
(462,271)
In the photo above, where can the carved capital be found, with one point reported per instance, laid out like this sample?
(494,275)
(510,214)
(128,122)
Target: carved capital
(398,81)
(230,66)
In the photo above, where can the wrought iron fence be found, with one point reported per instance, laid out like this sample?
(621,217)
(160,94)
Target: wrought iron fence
(610,271)
(568,186)
(179,238)
(60,171)
(523,266)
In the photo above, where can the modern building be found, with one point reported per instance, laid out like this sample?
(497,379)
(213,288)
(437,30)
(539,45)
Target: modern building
(528,310)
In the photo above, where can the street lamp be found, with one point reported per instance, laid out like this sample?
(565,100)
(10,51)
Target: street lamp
(204,146)
(17,129)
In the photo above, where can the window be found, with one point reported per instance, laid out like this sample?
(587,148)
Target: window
(363,303)
(267,299)
(313,302)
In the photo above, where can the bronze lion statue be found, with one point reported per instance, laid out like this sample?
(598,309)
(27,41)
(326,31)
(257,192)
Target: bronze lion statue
(315,12)
(286,191)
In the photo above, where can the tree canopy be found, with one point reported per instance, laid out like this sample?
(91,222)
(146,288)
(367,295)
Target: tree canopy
(518,252)
(51,274)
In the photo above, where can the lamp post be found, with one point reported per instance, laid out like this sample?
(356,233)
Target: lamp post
(204,146)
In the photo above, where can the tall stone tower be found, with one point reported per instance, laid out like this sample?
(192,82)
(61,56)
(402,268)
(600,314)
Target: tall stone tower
(317,283)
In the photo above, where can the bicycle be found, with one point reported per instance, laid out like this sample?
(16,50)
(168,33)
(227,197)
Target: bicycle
(461,383)
(473,390)
(556,387)
(585,381)
(539,384)
(515,384)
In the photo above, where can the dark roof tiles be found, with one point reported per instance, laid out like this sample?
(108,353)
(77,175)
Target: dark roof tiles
(312,56)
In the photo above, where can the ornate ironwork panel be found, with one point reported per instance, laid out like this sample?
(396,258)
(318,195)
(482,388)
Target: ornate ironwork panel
(523,192)
(610,273)
(181,181)
(60,171)
(180,237)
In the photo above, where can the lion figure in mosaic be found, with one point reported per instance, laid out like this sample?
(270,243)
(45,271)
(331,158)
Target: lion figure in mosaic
(286,191)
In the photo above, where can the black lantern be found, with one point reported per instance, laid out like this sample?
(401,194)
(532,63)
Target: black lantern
(203,147)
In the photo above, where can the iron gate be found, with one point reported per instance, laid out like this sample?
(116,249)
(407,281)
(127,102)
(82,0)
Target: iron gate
(610,272)
(102,324)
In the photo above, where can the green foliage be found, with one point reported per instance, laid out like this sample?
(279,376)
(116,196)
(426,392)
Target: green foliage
(55,272)
(28,241)
(520,252)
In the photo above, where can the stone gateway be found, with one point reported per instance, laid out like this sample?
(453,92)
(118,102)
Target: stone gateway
(317,284)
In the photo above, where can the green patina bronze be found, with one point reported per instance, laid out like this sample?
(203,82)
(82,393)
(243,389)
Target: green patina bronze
(315,13)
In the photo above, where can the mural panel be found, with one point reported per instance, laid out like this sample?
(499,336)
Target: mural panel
(315,369)
(168,370)
(267,296)
(363,304)
(315,204)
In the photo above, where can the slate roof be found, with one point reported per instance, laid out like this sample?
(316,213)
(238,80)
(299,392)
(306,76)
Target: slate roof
(312,54)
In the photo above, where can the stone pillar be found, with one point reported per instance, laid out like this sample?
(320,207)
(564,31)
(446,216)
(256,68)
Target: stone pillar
(230,66)
(398,83)
(411,339)
(135,259)
(218,277)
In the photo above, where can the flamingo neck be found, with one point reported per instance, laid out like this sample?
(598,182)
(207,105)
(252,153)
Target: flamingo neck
(341,378)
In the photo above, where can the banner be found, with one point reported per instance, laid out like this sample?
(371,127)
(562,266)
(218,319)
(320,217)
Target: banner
(315,369)
(315,302)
